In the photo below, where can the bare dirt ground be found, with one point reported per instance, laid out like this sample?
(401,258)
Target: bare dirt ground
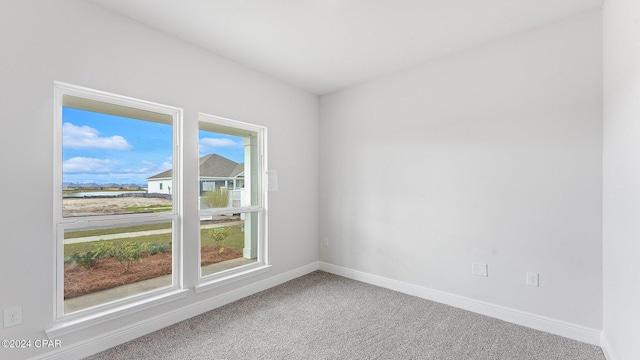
(106,206)
(108,273)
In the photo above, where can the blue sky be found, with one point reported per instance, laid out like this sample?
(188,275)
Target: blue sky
(101,148)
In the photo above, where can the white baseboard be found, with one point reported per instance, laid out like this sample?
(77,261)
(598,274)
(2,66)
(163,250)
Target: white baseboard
(553,326)
(606,347)
(113,338)
(122,335)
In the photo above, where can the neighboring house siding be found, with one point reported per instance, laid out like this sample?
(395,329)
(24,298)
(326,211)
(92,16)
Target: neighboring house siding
(215,171)
(159,186)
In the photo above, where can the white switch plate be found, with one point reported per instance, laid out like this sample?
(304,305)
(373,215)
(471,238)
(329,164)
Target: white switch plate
(533,279)
(272,180)
(479,269)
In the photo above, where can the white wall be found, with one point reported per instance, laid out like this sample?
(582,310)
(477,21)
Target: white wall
(492,155)
(621,229)
(75,42)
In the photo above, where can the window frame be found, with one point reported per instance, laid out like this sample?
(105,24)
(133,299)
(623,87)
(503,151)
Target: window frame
(261,264)
(64,323)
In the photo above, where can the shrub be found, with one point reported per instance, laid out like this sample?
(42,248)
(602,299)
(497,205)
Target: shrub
(90,258)
(86,260)
(155,249)
(103,249)
(218,198)
(125,253)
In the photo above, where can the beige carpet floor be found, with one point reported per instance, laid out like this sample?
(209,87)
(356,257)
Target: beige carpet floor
(324,316)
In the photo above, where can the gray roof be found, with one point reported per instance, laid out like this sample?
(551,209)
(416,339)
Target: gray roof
(212,165)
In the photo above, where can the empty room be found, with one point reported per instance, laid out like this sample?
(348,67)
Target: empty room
(292,179)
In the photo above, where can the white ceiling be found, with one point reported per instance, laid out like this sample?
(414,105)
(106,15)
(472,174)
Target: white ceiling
(324,45)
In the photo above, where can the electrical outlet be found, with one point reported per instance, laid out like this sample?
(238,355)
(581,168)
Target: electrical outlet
(533,279)
(326,241)
(479,269)
(12,316)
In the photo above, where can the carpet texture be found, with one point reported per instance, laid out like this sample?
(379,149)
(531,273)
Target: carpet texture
(324,316)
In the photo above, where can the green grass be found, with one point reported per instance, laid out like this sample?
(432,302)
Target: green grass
(149,208)
(82,248)
(234,240)
(115,230)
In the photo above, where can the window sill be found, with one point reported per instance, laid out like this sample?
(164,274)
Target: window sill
(67,326)
(212,282)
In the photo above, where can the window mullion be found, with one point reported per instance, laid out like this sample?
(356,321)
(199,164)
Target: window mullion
(226,211)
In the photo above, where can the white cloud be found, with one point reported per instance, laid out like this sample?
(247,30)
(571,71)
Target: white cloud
(86,137)
(146,167)
(87,165)
(212,143)
(167,164)
(151,168)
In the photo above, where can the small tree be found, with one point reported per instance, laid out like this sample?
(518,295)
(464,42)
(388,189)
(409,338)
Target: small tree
(218,198)
(218,235)
(125,253)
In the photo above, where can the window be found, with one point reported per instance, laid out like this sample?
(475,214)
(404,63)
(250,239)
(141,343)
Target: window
(232,201)
(116,237)
(118,205)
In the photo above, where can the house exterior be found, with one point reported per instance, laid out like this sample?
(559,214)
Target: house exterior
(215,172)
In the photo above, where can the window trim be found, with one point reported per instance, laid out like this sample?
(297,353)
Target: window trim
(64,323)
(261,264)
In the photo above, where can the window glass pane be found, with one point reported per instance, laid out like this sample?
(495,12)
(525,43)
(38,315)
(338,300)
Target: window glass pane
(228,169)
(104,264)
(229,182)
(227,241)
(113,164)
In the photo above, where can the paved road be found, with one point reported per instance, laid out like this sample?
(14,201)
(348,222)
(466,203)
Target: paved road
(141,233)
